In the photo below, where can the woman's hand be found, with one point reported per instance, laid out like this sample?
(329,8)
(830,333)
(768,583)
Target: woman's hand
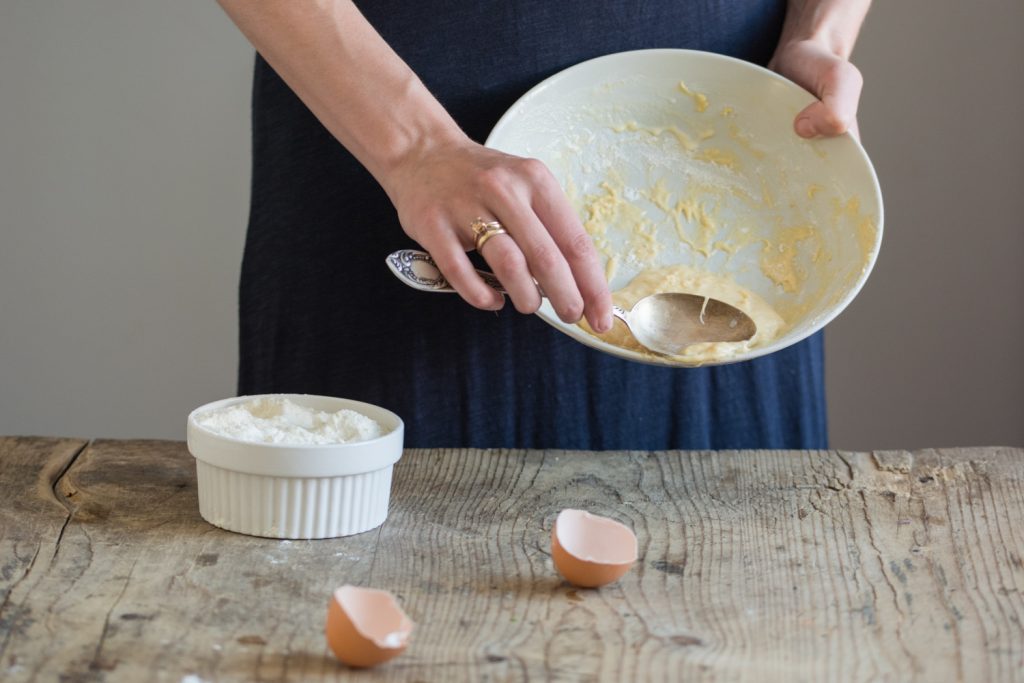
(814,52)
(835,81)
(439,180)
(440,190)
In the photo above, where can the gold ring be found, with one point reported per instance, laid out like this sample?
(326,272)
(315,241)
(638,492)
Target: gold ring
(485,230)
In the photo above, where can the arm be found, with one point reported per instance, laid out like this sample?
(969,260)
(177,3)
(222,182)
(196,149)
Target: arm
(814,51)
(438,179)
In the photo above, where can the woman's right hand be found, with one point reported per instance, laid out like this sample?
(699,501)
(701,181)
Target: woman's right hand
(440,190)
(439,180)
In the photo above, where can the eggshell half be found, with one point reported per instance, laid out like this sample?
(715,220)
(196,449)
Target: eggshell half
(366,626)
(590,550)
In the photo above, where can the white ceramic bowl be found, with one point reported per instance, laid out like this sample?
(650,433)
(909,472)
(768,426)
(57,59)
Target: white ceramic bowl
(779,180)
(305,491)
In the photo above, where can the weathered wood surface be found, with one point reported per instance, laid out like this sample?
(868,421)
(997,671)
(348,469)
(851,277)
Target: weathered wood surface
(758,566)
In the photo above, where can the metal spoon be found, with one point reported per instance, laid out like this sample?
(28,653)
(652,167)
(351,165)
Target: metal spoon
(665,323)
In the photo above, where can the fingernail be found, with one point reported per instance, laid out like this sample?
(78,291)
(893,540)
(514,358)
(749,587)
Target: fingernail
(805,128)
(606,323)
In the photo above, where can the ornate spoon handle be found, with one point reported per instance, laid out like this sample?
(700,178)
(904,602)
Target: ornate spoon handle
(418,270)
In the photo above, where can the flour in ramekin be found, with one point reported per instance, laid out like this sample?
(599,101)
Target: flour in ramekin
(278,420)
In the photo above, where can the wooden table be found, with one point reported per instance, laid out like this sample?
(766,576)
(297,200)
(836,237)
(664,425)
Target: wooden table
(759,566)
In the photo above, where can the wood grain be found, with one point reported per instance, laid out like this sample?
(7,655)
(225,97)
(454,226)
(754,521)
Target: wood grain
(759,566)
(32,521)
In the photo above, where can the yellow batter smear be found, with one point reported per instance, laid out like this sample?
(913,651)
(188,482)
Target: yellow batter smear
(659,196)
(693,281)
(700,101)
(792,257)
(611,267)
(740,237)
(718,156)
(684,140)
(726,247)
(778,258)
(601,210)
(864,226)
(706,229)
(867,233)
(643,245)
(746,141)
(609,208)
(744,196)
(766,194)
(692,211)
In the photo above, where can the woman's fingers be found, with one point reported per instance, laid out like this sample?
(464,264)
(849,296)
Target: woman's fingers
(543,247)
(545,243)
(554,210)
(457,269)
(836,82)
(839,84)
(531,253)
(509,264)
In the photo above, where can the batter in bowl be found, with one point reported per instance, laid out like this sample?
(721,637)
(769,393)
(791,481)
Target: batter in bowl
(693,281)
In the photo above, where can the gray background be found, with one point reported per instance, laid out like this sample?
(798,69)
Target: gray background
(124,168)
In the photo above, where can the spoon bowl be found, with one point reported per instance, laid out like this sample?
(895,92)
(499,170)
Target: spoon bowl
(668,322)
(664,323)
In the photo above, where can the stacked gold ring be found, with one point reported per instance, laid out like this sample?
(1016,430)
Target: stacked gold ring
(485,230)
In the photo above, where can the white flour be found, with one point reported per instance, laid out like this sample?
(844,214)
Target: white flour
(278,420)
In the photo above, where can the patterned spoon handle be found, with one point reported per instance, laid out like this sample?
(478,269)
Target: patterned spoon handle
(418,270)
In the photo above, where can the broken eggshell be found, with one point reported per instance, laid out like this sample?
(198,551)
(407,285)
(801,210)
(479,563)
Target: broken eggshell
(590,550)
(366,626)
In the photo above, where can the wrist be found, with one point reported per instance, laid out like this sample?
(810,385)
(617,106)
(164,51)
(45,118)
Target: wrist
(829,38)
(406,128)
(831,25)
(397,169)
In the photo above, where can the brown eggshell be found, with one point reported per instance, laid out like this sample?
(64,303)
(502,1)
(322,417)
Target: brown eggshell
(366,626)
(590,550)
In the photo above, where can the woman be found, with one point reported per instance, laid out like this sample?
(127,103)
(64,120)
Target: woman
(409,90)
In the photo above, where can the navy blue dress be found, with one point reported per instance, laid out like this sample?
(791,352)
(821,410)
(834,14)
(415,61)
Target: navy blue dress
(320,313)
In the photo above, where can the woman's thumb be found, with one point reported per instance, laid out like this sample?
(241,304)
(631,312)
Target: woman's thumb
(838,86)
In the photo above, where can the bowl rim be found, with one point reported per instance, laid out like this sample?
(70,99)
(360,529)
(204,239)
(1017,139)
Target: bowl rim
(297,460)
(348,403)
(785,341)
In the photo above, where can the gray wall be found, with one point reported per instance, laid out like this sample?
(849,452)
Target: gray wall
(123,197)
(124,143)
(932,352)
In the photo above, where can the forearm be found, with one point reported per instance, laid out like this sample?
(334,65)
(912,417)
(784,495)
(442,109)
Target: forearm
(351,80)
(834,23)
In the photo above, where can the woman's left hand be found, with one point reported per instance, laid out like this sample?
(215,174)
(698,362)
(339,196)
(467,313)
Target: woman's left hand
(832,79)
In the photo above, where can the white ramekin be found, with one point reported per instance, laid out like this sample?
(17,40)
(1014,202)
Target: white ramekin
(296,492)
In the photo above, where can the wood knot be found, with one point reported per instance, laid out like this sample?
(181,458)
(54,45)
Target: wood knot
(207,559)
(252,640)
(686,641)
(103,665)
(675,568)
